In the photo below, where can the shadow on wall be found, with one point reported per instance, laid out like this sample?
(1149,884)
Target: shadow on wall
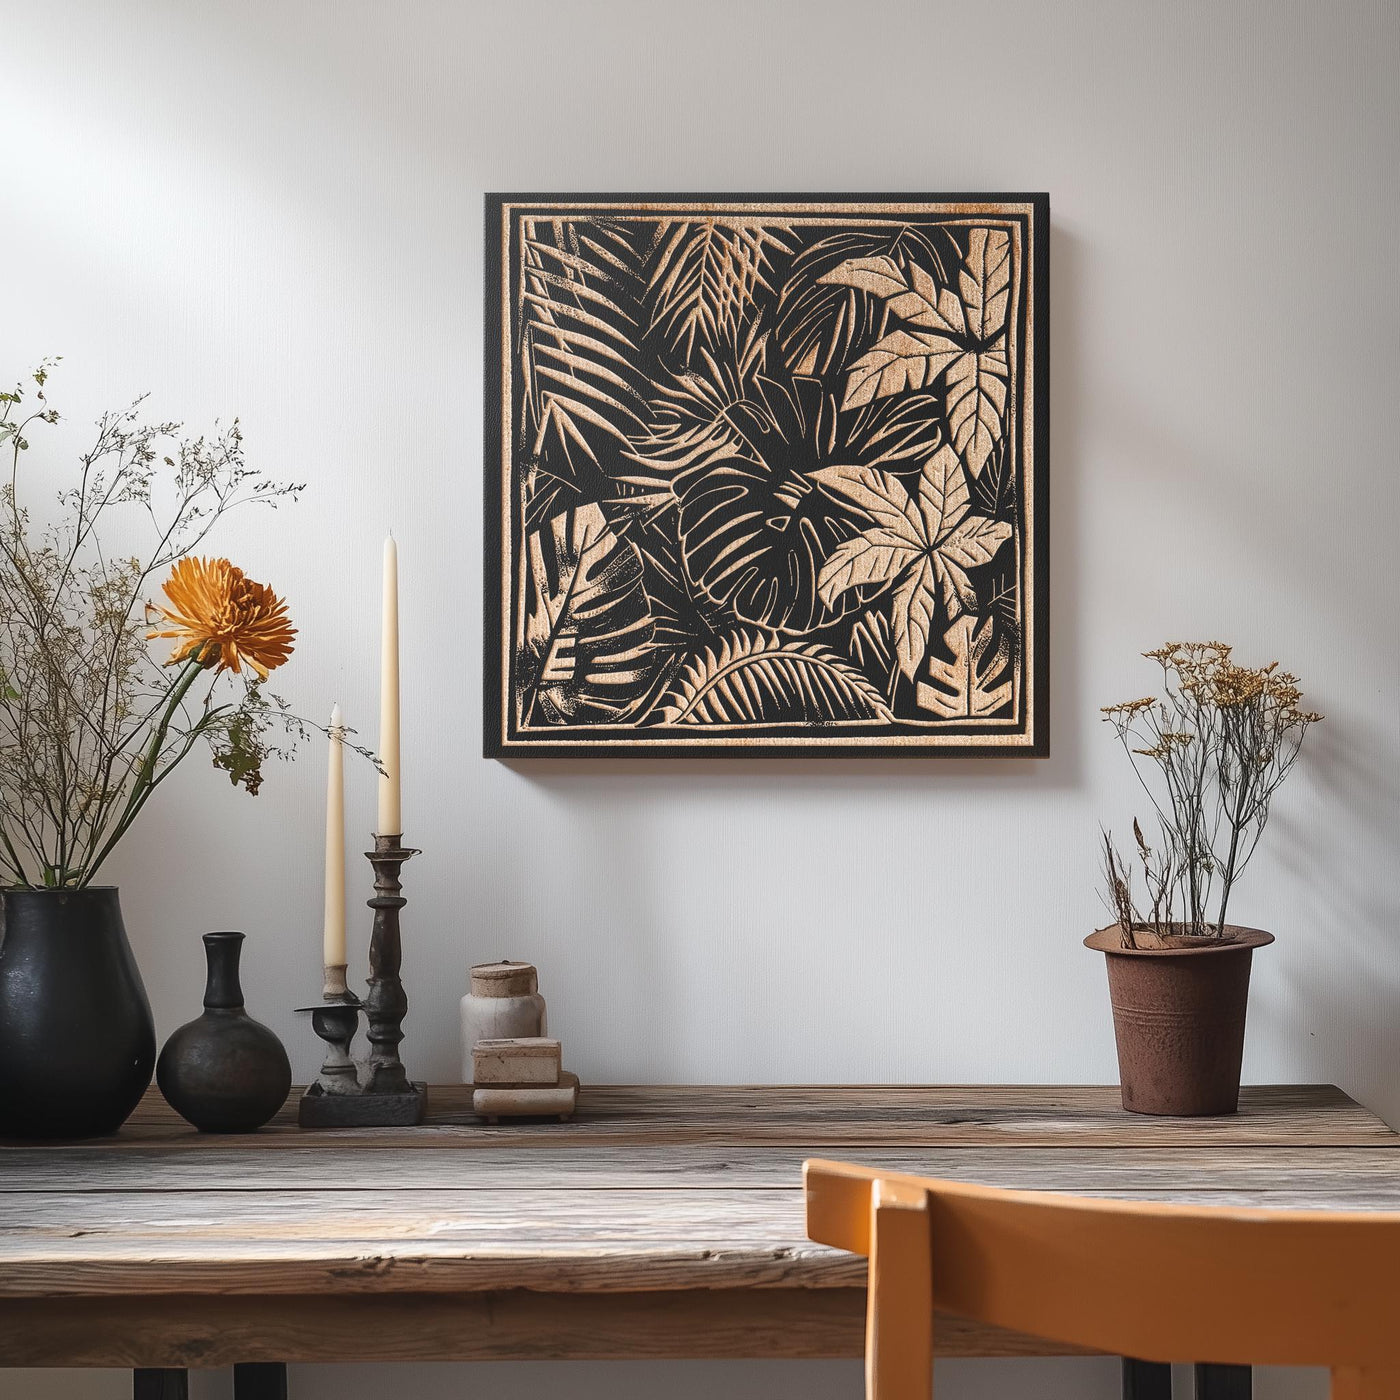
(1343,979)
(820,776)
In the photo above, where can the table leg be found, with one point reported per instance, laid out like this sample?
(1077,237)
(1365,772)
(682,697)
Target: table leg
(160,1383)
(1146,1380)
(260,1380)
(1224,1383)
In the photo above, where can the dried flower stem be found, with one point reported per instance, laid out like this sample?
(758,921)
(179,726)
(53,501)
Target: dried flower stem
(1220,741)
(90,723)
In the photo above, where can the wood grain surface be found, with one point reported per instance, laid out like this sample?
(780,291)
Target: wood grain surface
(958,1115)
(659,1222)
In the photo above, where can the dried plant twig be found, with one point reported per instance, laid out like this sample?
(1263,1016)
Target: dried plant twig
(91,724)
(1210,753)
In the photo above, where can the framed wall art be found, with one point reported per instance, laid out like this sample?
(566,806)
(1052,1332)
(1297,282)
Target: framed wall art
(766,476)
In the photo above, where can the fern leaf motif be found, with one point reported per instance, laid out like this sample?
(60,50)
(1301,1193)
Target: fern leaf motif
(750,679)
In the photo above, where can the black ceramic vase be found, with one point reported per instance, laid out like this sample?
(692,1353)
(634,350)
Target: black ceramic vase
(76,1038)
(225,1072)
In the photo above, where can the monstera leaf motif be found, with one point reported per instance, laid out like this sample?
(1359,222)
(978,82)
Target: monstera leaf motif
(755,540)
(960,336)
(750,679)
(588,625)
(923,548)
(754,530)
(971,685)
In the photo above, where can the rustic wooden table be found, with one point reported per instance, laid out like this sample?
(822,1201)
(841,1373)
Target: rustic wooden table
(661,1222)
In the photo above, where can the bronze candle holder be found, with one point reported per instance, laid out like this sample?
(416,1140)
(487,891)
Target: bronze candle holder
(375,1092)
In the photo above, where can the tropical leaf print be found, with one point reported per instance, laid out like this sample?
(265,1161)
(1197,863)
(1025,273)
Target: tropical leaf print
(581,330)
(924,549)
(755,540)
(975,683)
(900,361)
(751,679)
(870,645)
(976,399)
(985,281)
(705,277)
(956,335)
(754,530)
(762,475)
(589,629)
(583,391)
(820,323)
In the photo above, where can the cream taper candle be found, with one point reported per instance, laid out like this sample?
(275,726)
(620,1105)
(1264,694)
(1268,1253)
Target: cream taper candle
(333,940)
(390,812)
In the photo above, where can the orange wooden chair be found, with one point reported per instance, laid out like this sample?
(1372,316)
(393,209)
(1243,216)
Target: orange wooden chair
(1160,1282)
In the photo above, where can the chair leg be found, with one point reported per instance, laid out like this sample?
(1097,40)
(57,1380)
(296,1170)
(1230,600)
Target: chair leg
(1224,1383)
(1146,1380)
(260,1380)
(899,1299)
(160,1383)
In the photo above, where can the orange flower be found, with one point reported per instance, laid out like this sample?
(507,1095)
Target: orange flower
(222,618)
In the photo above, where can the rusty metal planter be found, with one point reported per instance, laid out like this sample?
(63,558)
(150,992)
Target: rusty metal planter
(1178,1018)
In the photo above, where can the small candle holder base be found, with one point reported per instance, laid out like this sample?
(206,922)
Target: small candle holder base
(377,1092)
(318,1109)
(336,1021)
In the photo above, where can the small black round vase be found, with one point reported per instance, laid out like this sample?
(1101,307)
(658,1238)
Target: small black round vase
(225,1072)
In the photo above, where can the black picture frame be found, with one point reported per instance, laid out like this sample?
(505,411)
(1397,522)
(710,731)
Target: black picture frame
(717,681)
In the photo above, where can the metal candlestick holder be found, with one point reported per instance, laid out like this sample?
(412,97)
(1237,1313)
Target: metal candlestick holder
(375,1091)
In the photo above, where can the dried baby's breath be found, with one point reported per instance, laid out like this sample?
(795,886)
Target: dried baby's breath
(90,724)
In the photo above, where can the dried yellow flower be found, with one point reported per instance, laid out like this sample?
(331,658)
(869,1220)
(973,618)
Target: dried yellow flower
(1220,740)
(1128,709)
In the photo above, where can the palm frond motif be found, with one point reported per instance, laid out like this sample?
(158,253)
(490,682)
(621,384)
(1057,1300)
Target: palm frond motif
(695,418)
(583,390)
(706,275)
(752,679)
(768,474)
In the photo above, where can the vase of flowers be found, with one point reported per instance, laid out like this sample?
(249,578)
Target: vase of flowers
(1210,752)
(92,724)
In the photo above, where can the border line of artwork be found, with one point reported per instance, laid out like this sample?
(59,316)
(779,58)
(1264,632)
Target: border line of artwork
(1032,736)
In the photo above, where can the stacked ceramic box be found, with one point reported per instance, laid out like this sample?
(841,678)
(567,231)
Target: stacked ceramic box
(515,1069)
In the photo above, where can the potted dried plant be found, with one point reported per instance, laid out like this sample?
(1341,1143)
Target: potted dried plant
(1209,752)
(91,724)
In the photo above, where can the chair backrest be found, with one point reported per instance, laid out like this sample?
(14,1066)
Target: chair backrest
(1156,1282)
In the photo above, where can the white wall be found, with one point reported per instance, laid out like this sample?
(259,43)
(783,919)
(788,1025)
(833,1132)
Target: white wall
(273,208)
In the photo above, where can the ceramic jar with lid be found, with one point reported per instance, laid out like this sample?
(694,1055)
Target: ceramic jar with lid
(504,1002)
